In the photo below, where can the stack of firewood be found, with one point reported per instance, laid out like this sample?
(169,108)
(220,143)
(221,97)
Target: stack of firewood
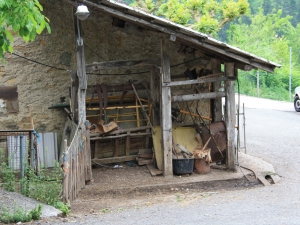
(145,156)
(180,152)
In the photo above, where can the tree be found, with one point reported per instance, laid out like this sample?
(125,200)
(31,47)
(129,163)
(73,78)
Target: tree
(21,17)
(207,16)
(268,36)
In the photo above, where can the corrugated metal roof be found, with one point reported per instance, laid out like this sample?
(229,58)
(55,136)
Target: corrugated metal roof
(183,34)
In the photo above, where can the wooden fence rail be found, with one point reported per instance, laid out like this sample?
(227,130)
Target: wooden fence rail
(76,164)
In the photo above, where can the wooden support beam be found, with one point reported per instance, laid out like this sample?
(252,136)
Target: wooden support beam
(198,81)
(216,103)
(74,95)
(242,66)
(209,95)
(166,116)
(154,87)
(230,117)
(120,63)
(127,146)
(119,88)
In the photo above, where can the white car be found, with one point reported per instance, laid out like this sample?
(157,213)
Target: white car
(297,99)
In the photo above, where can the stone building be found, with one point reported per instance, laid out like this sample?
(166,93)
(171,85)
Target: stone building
(38,73)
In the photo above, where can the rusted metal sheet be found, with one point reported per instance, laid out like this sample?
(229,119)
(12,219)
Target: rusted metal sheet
(217,143)
(9,93)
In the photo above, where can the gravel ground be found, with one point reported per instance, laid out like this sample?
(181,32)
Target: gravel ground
(10,200)
(272,130)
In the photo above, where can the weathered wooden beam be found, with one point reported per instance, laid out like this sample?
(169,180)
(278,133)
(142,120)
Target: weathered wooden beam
(74,95)
(114,159)
(230,117)
(242,66)
(208,95)
(119,87)
(120,136)
(154,87)
(166,114)
(188,82)
(200,42)
(216,103)
(119,64)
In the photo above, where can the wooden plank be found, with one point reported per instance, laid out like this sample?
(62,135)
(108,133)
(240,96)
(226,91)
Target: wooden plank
(88,157)
(166,117)
(230,118)
(188,82)
(200,96)
(153,171)
(146,151)
(115,159)
(147,139)
(143,155)
(127,147)
(144,162)
(217,102)
(118,88)
(121,135)
(263,180)
(116,152)
(120,63)
(74,95)
(154,81)
(134,129)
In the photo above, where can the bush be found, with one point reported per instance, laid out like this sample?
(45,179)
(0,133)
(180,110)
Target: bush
(20,215)
(8,178)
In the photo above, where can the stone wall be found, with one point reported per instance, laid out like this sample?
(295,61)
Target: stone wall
(40,87)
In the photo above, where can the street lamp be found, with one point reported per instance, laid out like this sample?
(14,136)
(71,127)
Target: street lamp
(82,12)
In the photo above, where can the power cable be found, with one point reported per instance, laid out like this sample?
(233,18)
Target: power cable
(43,64)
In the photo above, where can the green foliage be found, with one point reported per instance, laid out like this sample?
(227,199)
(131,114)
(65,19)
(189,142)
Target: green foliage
(63,207)
(201,15)
(46,186)
(269,36)
(8,178)
(21,17)
(19,214)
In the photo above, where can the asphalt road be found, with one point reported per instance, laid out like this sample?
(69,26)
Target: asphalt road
(273,130)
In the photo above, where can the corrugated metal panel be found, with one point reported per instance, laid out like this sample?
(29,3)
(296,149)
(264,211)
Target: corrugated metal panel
(47,149)
(13,145)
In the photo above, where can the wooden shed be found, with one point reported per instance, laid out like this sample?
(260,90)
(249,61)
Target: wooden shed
(208,70)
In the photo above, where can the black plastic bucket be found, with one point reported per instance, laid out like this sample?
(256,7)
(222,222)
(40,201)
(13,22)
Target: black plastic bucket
(183,166)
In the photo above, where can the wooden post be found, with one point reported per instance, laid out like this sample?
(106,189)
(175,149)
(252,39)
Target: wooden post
(74,95)
(230,117)
(127,148)
(88,158)
(65,196)
(166,118)
(154,86)
(216,103)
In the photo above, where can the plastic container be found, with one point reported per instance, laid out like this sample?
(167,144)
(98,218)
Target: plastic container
(183,166)
(201,166)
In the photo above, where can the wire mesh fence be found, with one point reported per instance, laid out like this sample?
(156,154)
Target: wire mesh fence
(15,149)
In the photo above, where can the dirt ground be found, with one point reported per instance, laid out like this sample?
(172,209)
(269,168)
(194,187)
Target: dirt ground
(127,187)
